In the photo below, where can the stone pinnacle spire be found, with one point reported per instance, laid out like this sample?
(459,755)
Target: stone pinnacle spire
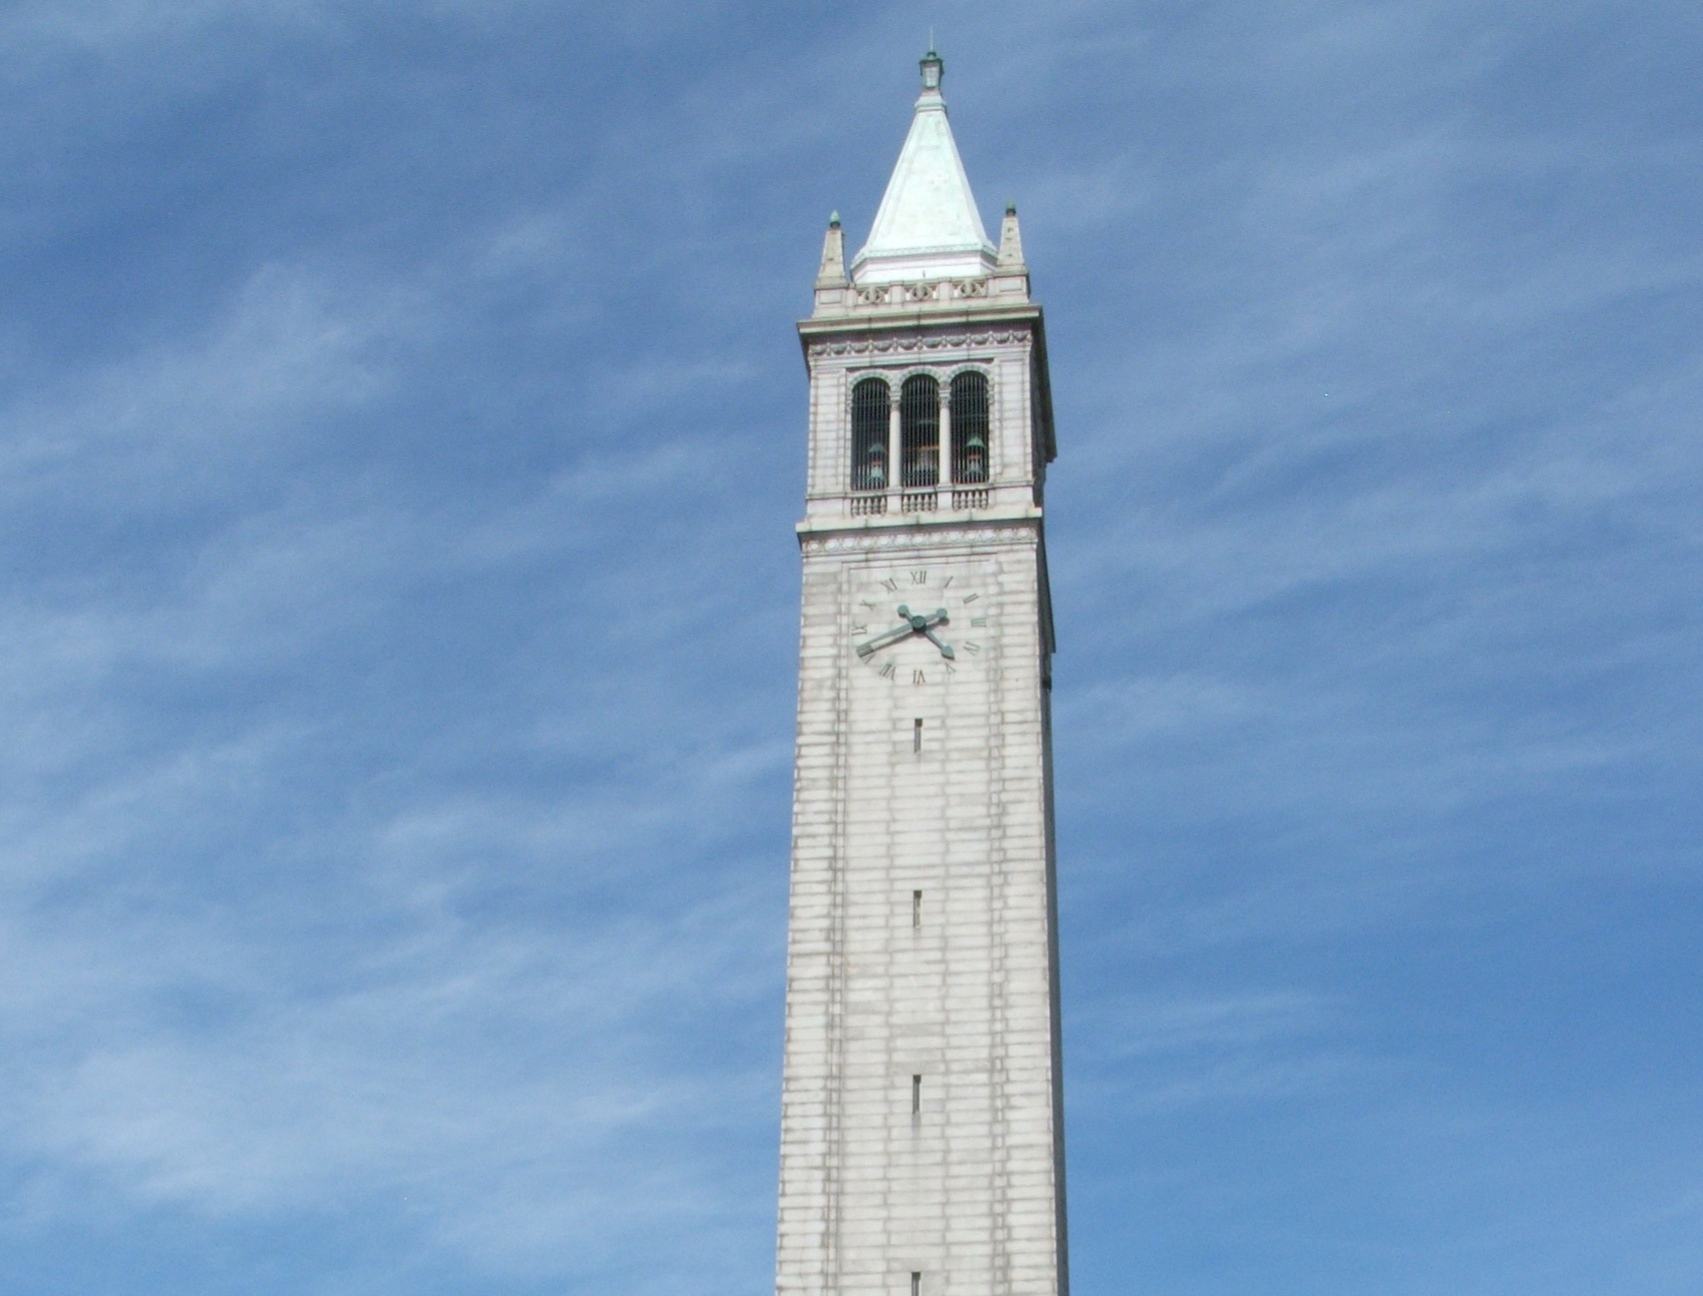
(833,271)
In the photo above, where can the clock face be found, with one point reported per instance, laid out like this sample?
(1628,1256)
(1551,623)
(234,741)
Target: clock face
(917,627)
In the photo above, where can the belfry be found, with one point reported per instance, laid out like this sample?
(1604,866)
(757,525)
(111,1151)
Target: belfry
(922,1145)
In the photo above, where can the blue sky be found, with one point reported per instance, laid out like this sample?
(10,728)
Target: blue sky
(401,429)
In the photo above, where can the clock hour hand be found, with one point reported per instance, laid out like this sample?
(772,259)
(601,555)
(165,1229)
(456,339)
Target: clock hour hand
(945,648)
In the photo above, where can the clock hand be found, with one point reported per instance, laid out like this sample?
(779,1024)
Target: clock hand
(920,623)
(869,647)
(913,624)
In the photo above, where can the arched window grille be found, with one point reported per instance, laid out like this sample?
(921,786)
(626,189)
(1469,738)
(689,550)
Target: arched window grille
(970,427)
(872,401)
(919,431)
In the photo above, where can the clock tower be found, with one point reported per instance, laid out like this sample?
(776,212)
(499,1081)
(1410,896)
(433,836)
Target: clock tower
(922,1149)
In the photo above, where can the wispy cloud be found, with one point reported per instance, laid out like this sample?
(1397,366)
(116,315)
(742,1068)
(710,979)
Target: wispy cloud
(401,434)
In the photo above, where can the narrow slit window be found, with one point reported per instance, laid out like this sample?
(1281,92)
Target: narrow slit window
(919,430)
(872,401)
(916,1284)
(916,737)
(916,910)
(916,1095)
(970,427)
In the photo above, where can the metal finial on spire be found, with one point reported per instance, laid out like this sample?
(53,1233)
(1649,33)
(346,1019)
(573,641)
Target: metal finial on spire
(933,66)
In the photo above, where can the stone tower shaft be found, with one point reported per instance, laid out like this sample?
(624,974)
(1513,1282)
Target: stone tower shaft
(922,1147)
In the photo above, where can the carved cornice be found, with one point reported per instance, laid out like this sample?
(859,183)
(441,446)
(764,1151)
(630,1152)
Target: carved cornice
(916,343)
(874,539)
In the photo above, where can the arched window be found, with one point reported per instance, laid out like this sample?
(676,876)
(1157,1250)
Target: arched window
(919,431)
(970,428)
(872,400)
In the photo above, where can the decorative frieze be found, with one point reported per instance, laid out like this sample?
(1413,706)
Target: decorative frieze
(916,342)
(925,290)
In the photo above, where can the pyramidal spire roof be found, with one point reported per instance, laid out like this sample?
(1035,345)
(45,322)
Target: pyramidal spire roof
(928,226)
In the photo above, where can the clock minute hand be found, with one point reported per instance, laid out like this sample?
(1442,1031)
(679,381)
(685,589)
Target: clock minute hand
(869,647)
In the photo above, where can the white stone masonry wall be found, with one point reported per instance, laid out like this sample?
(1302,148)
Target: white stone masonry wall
(957,990)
